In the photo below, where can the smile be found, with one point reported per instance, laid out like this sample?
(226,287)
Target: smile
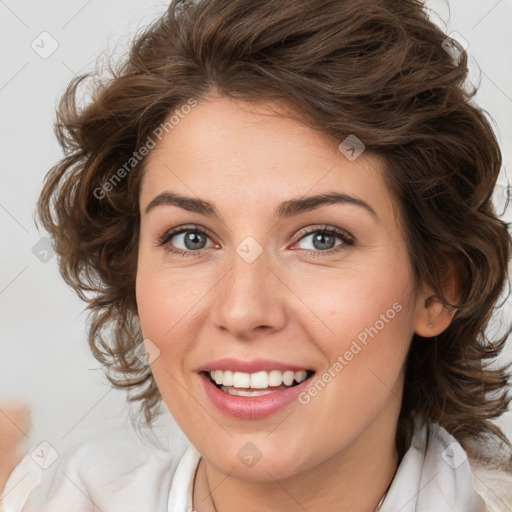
(252,396)
(256,384)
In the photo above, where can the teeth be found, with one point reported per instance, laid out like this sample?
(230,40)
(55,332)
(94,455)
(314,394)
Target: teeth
(217,375)
(258,380)
(288,377)
(241,380)
(242,392)
(226,377)
(275,378)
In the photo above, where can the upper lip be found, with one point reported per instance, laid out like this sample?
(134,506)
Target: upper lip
(250,366)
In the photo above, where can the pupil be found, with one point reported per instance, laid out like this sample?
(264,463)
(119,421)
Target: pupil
(191,238)
(321,238)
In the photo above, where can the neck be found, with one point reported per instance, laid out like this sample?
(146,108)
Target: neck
(355,478)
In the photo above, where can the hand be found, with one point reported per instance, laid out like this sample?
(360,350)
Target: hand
(14,425)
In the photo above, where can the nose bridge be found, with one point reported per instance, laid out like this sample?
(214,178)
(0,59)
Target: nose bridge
(249,295)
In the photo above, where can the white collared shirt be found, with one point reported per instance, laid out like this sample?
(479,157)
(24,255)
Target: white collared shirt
(120,471)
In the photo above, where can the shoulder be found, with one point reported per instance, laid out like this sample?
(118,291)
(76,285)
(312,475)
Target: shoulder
(114,469)
(491,468)
(494,485)
(478,465)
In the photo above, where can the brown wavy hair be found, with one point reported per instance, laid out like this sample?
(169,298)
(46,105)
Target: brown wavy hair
(375,68)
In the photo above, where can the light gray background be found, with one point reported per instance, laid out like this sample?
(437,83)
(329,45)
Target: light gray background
(44,357)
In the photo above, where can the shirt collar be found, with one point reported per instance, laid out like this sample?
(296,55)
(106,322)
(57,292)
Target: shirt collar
(434,474)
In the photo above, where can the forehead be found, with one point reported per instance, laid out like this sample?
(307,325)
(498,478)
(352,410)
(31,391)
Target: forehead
(234,152)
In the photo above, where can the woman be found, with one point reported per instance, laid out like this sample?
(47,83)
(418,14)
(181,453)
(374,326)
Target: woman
(288,205)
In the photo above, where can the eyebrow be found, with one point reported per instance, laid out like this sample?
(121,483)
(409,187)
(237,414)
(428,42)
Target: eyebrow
(286,209)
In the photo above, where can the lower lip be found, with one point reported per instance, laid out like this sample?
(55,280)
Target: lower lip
(251,407)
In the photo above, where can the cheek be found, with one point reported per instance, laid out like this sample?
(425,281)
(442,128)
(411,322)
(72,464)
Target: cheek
(168,305)
(370,330)
(366,318)
(356,300)
(152,306)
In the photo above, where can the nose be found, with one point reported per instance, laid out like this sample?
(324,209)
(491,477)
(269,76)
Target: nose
(249,300)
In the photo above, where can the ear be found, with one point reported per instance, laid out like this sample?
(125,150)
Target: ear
(432,316)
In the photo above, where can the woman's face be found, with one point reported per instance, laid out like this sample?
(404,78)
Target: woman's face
(265,282)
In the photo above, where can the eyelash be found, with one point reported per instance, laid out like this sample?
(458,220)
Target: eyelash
(348,240)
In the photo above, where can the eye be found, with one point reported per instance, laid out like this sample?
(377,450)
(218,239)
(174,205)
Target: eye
(323,241)
(193,239)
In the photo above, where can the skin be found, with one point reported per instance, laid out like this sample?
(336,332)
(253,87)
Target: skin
(14,423)
(336,452)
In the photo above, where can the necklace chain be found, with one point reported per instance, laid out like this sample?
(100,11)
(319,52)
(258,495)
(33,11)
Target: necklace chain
(209,490)
(379,505)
